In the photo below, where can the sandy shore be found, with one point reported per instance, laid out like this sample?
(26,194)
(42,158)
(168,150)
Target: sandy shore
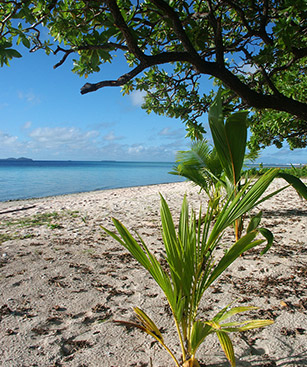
(62,282)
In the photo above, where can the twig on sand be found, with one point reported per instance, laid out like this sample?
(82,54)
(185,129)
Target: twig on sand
(18,209)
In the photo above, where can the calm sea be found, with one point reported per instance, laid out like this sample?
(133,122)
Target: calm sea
(28,179)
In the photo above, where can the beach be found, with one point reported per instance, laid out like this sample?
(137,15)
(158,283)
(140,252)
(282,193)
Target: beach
(63,281)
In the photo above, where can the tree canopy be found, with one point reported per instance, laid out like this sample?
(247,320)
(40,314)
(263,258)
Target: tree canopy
(255,50)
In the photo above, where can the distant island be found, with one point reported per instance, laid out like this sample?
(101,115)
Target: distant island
(17,159)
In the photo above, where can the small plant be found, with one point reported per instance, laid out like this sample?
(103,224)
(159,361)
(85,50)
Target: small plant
(36,220)
(192,268)
(55,226)
(221,167)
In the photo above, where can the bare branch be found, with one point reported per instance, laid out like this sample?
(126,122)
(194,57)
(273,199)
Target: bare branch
(163,58)
(107,46)
(88,87)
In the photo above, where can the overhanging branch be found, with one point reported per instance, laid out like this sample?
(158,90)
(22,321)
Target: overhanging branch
(163,58)
(122,80)
(125,30)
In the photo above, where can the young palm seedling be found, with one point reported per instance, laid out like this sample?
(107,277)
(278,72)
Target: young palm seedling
(192,268)
(218,170)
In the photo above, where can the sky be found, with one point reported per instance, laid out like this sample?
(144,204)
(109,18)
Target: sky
(43,116)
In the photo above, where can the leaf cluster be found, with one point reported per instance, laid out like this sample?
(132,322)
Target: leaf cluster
(255,50)
(219,170)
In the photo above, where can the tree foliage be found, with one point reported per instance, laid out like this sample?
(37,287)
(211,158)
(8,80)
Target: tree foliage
(255,49)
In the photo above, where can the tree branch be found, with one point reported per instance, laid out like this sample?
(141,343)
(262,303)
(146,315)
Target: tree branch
(163,58)
(299,53)
(122,80)
(218,39)
(122,25)
(259,33)
(177,26)
(217,69)
(106,46)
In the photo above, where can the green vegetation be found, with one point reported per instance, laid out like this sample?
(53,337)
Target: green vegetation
(191,263)
(8,237)
(52,220)
(192,268)
(35,220)
(5,237)
(218,171)
(298,171)
(202,166)
(255,51)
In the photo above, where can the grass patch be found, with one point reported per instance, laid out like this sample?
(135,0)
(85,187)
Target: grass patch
(8,237)
(35,220)
(5,237)
(73,213)
(52,220)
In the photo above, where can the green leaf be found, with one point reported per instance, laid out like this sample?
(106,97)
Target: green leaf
(243,244)
(236,132)
(25,42)
(299,186)
(200,330)
(268,235)
(254,222)
(227,346)
(12,53)
(234,311)
(229,139)
(217,127)
(149,326)
(144,257)
(248,325)
(244,201)
(172,246)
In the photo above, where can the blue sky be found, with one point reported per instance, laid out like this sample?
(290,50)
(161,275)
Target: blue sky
(44,116)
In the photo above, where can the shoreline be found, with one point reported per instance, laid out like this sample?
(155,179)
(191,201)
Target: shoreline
(64,178)
(63,282)
(85,192)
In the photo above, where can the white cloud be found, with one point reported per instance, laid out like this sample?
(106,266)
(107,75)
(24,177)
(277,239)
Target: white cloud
(165,132)
(6,139)
(271,155)
(172,133)
(139,152)
(111,137)
(248,68)
(137,97)
(76,144)
(135,149)
(10,146)
(27,125)
(68,138)
(29,97)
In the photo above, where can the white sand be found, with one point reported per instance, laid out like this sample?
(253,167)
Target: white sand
(62,284)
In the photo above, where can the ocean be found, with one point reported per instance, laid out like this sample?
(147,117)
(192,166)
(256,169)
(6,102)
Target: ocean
(32,179)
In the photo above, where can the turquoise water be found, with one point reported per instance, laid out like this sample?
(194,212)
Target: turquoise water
(28,179)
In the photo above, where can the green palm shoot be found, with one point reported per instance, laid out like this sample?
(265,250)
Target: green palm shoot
(192,267)
(201,165)
(218,170)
